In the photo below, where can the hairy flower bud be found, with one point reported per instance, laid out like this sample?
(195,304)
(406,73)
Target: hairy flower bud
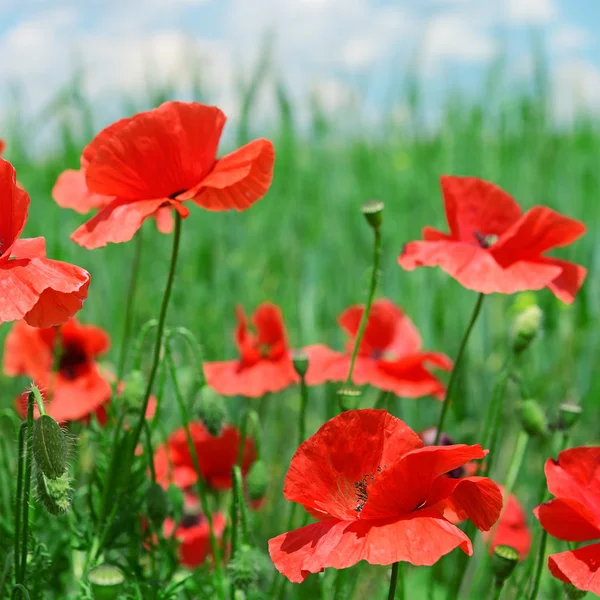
(50,448)
(504,561)
(246,567)
(533,418)
(106,581)
(211,410)
(157,503)
(54,494)
(257,481)
(526,327)
(300,360)
(373,212)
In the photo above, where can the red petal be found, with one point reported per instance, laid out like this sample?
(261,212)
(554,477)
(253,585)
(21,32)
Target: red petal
(475,268)
(195,541)
(230,378)
(569,520)
(43,292)
(326,469)
(70,191)
(476,206)
(27,353)
(419,540)
(101,138)
(270,329)
(118,222)
(567,284)
(159,153)
(29,248)
(325,364)
(512,529)
(164,220)
(95,340)
(14,204)
(433,235)
(579,567)
(238,180)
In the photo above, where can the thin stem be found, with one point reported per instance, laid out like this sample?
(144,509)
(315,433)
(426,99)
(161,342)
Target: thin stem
(196,462)
(497,591)
(365,315)
(243,437)
(129,305)
(302,413)
(239,493)
(539,565)
(454,375)
(396,576)
(515,464)
(26,489)
(160,331)
(38,400)
(19,498)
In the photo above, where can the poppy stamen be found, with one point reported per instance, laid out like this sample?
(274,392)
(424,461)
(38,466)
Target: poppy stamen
(485,241)
(71,359)
(174,195)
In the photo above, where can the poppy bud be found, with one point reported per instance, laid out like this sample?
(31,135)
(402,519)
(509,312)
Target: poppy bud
(157,503)
(300,360)
(504,561)
(348,396)
(106,582)
(373,211)
(257,481)
(135,388)
(246,567)
(54,494)
(211,410)
(526,326)
(569,414)
(50,448)
(573,593)
(533,418)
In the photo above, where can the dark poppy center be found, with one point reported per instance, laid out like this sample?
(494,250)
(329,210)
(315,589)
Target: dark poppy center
(360,488)
(72,359)
(485,241)
(174,195)
(191,520)
(376,353)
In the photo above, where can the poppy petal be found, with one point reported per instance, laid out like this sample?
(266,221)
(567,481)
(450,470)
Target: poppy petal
(159,153)
(567,284)
(419,540)
(101,138)
(117,222)
(431,234)
(569,520)
(325,364)
(579,567)
(27,353)
(44,292)
(477,207)
(14,204)
(270,329)
(70,191)
(94,339)
(329,467)
(511,529)
(238,180)
(29,248)
(164,220)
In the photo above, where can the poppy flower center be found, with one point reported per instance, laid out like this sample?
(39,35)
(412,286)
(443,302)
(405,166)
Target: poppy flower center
(485,241)
(72,359)
(174,195)
(360,489)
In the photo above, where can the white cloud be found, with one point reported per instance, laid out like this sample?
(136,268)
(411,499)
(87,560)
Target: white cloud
(531,12)
(568,38)
(576,87)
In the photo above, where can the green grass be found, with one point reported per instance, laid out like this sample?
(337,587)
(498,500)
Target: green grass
(306,247)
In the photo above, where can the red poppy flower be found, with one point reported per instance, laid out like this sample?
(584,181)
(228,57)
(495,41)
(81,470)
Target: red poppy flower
(264,364)
(217,456)
(493,247)
(78,389)
(379,495)
(574,515)
(44,292)
(511,529)
(389,355)
(161,158)
(2,146)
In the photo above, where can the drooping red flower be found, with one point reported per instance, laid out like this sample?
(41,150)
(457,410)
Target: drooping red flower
(264,364)
(379,495)
(493,247)
(162,158)
(574,515)
(41,291)
(389,356)
(78,388)
(511,529)
(216,454)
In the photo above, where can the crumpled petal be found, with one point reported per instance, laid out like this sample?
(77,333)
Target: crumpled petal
(70,191)
(579,567)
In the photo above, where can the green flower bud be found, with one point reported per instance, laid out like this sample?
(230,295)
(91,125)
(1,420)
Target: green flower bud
(134,390)
(211,410)
(54,494)
(50,448)
(246,567)
(504,561)
(239,595)
(300,360)
(569,414)
(257,481)
(348,396)
(157,503)
(373,211)
(526,327)
(573,593)
(106,581)
(533,418)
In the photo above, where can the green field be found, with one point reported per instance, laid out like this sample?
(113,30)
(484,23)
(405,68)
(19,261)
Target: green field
(306,247)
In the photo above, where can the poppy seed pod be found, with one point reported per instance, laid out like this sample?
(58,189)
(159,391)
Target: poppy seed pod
(157,503)
(300,360)
(257,481)
(526,327)
(54,494)
(211,410)
(573,593)
(348,396)
(533,418)
(246,567)
(569,414)
(373,212)
(106,582)
(504,561)
(50,448)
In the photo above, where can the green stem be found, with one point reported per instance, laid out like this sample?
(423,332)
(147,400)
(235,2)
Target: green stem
(497,591)
(129,305)
(19,498)
(302,413)
(454,375)
(243,436)
(539,565)
(515,464)
(203,496)
(160,331)
(396,576)
(38,400)
(26,490)
(365,315)
(239,493)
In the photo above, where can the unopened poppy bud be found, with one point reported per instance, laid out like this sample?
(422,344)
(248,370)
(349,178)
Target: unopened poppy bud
(373,211)
(157,503)
(348,396)
(568,415)
(533,418)
(300,360)
(573,593)
(504,561)
(50,448)
(54,494)
(257,481)
(526,327)
(239,595)
(135,388)
(246,567)
(211,410)
(106,581)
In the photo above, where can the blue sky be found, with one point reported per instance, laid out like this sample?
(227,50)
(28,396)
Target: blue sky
(324,48)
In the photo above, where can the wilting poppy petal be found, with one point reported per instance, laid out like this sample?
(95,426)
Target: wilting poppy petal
(420,540)
(29,248)
(238,180)
(14,204)
(159,153)
(328,467)
(567,519)
(70,191)
(579,567)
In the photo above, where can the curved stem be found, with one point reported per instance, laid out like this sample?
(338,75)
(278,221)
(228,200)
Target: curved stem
(19,498)
(454,375)
(497,591)
(26,489)
(129,305)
